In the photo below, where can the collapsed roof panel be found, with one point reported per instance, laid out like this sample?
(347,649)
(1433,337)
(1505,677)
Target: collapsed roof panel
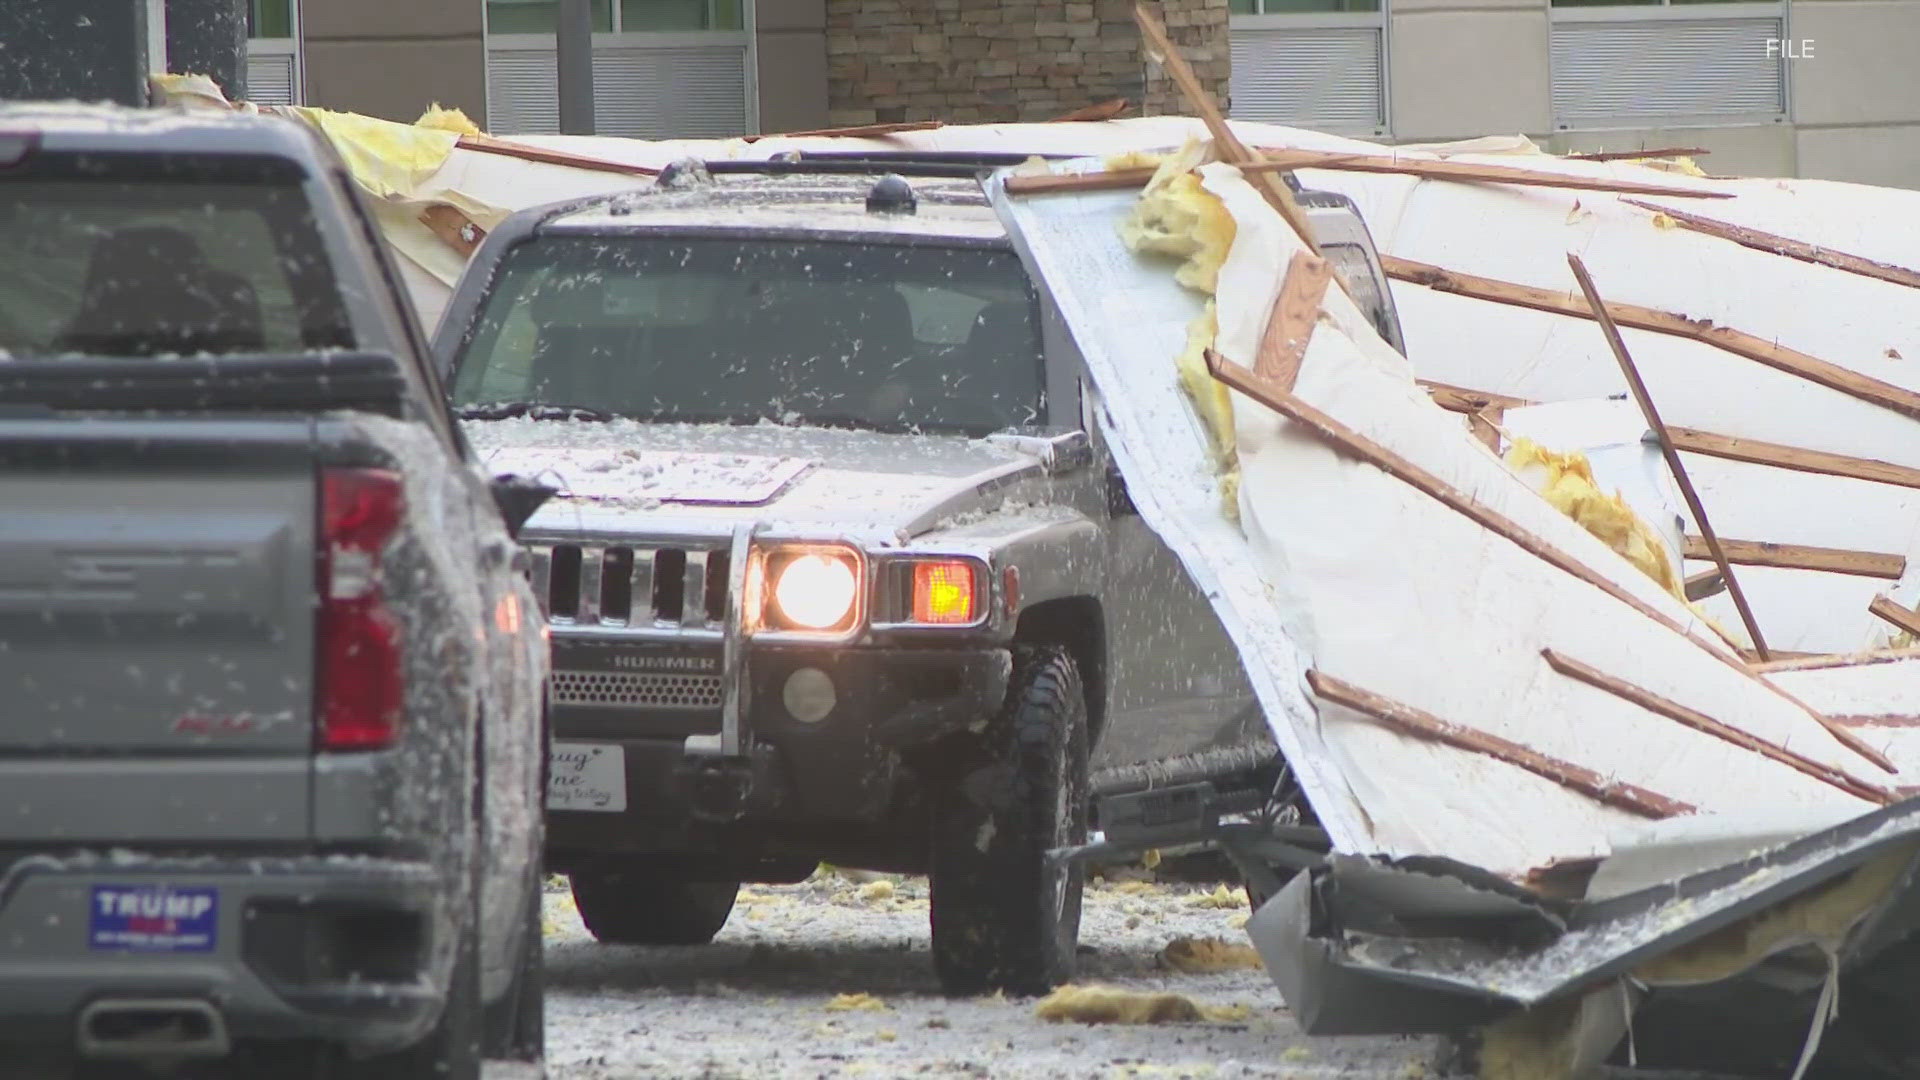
(1413,614)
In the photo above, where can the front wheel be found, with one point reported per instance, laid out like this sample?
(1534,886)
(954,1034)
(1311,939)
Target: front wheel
(1002,918)
(631,905)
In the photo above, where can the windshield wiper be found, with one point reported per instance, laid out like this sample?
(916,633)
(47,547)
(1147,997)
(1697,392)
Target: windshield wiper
(532,410)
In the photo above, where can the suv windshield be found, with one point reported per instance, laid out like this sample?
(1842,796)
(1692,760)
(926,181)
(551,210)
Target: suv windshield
(881,336)
(122,255)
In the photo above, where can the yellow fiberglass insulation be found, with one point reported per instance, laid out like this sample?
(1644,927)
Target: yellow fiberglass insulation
(1112,1005)
(1177,217)
(1570,488)
(445,119)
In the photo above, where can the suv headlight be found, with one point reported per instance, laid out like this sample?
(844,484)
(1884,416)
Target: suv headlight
(815,591)
(809,589)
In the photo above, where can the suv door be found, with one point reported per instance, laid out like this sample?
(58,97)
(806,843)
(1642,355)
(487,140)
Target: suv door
(1175,686)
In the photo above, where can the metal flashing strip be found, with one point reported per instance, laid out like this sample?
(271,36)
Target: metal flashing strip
(1340,982)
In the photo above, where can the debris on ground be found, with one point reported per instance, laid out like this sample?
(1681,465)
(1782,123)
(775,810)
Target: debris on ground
(858,1002)
(1221,897)
(1204,955)
(1112,1005)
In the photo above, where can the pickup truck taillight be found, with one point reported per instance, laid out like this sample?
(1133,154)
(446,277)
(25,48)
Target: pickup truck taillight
(358,674)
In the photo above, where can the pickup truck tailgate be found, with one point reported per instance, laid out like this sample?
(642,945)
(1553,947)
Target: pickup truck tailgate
(156,629)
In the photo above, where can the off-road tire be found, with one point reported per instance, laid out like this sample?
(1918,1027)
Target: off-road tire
(1001,920)
(631,905)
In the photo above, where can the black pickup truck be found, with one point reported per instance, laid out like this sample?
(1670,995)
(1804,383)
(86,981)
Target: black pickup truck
(271,746)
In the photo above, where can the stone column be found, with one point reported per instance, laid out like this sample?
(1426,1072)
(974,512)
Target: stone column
(974,61)
(209,37)
(90,50)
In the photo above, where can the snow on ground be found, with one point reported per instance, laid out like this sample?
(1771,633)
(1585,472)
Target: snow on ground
(756,1002)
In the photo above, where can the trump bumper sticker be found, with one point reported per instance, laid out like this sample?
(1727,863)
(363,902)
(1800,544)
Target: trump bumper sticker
(153,918)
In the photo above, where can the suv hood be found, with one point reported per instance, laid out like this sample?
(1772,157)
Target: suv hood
(625,476)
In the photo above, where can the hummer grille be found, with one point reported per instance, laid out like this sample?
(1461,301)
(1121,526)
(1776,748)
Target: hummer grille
(620,586)
(636,690)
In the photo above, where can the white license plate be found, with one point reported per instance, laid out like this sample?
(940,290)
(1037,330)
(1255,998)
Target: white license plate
(586,776)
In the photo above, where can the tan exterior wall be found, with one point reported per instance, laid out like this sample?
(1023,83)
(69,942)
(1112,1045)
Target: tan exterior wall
(394,58)
(1461,68)
(791,39)
(1461,72)
(1856,99)
(1003,60)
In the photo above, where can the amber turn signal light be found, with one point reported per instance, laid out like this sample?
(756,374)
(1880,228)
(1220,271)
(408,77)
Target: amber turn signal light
(944,593)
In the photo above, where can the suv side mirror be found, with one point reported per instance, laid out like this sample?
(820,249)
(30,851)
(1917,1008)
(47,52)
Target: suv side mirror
(517,497)
(1059,451)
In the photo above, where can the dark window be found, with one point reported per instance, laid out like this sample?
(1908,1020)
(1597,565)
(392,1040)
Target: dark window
(101,259)
(270,18)
(541,16)
(880,336)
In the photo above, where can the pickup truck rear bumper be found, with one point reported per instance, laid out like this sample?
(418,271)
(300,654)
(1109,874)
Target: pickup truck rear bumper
(843,769)
(312,948)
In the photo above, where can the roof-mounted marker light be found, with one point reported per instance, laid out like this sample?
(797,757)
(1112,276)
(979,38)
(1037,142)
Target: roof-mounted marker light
(891,194)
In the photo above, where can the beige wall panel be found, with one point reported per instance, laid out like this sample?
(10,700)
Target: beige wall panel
(1863,69)
(397,80)
(361,19)
(1465,73)
(1888,156)
(793,81)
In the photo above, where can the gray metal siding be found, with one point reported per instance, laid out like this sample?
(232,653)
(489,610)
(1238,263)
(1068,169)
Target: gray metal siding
(1310,77)
(649,92)
(270,79)
(1666,68)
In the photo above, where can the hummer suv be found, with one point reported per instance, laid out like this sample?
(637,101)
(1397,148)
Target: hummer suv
(839,569)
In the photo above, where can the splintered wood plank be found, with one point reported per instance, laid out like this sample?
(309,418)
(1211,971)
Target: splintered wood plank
(1645,400)
(1105,110)
(1296,311)
(1462,399)
(1290,160)
(1225,142)
(1799,459)
(1738,342)
(1466,172)
(456,229)
(1641,155)
(1879,720)
(860,131)
(1699,721)
(487,144)
(1896,613)
(1873,564)
(1380,457)
(1775,244)
(1418,723)
(1485,426)
(1054,183)
(1704,584)
(1837,660)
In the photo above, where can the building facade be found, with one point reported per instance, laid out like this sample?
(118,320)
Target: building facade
(1816,88)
